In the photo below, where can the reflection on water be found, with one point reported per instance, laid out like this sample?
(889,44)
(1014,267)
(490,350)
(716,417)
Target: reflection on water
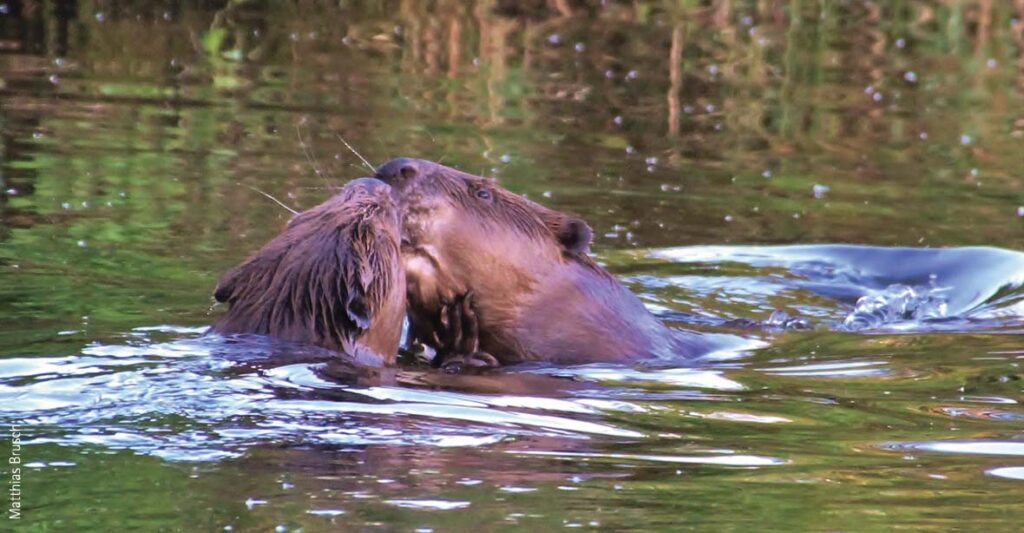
(875,387)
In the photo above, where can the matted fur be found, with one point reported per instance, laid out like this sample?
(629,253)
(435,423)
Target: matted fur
(333,277)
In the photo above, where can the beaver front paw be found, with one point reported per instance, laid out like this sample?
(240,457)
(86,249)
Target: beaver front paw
(457,338)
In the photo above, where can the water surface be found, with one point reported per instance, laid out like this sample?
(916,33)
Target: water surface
(719,151)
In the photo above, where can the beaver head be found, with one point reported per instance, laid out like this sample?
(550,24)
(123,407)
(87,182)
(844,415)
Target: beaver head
(333,277)
(537,292)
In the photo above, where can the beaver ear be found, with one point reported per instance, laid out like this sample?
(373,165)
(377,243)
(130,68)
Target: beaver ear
(575,235)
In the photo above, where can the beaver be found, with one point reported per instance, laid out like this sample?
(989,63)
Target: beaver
(333,278)
(495,278)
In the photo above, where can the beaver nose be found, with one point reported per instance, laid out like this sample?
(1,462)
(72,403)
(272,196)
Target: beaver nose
(399,172)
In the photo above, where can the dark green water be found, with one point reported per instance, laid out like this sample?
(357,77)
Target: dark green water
(131,138)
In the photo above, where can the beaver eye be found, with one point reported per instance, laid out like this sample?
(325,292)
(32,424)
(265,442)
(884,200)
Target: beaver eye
(483,194)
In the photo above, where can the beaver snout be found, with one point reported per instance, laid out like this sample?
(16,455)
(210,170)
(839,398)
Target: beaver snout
(400,172)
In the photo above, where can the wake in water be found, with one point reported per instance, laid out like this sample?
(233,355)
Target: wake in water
(873,288)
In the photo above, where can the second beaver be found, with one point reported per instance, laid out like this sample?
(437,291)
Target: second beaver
(515,275)
(333,278)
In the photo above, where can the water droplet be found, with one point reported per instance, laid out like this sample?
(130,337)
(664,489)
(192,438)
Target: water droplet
(991,63)
(609,73)
(651,160)
(910,76)
(796,215)
(37,135)
(546,194)
(923,135)
(617,120)
(819,190)
(66,205)
(713,70)
(687,109)
(632,75)
(82,244)
(710,108)
(100,16)
(728,218)
(965,139)
(1020,211)
(505,158)
(554,38)
(767,173)
(12,192)
(580,47)
(630,149)
(974,172)
(54,79)
(901,42)
(877,97)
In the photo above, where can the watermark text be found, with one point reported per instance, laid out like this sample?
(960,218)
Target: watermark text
(14,469)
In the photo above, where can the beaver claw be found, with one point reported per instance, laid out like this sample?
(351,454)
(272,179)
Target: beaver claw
(458,337)
(456,364)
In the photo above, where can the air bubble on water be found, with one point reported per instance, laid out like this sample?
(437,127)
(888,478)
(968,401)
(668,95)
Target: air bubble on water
(965,139)
(819,190)
(910,76)
(901,42)
(251,503)
(580,47)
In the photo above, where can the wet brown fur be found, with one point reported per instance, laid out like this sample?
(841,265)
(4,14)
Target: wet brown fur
(539,296)
(333,278)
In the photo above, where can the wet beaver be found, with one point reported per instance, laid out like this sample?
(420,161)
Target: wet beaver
(493,277)
(333,278)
